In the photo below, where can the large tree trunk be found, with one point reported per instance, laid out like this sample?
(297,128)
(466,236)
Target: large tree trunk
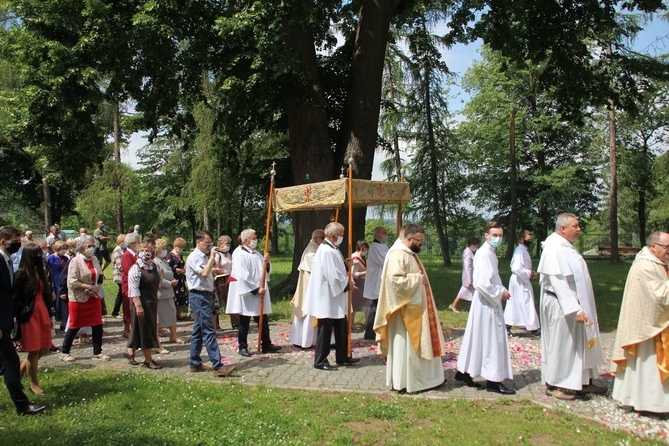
(363,102)
(513,223)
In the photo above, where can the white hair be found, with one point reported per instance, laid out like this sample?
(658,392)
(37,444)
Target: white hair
(82,240)
(131,238)
(333,228)
(563,220)
(246,234)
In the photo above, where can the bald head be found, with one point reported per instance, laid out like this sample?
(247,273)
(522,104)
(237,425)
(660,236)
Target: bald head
(317,236)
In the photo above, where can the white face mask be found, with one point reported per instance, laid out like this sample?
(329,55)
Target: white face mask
(178,250)
(253,244)
(90,251)
(339,240)
(226,248)
(62,252)
(163,253)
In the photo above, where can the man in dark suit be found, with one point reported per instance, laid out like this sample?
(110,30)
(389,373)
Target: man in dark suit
(10,242)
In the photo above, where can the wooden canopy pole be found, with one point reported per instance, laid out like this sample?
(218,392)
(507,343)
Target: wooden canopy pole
(268,224)
(399,206)
(350,252)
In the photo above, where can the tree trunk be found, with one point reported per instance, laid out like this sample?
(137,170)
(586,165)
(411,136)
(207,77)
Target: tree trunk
(46,192)
(362,107)
(434,183)
(513,223)
(205,218)
(613,191)
(117,171)
(643,190)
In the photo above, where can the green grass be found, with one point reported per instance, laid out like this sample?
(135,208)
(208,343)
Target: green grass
(126,408)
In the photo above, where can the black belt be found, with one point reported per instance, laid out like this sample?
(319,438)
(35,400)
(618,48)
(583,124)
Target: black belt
(550,293)
(210,293)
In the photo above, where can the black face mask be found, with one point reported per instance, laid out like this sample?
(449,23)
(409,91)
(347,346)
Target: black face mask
(14,247)
(527,243)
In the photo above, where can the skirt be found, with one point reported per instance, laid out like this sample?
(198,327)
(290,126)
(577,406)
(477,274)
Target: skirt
(85,314)
(36,333)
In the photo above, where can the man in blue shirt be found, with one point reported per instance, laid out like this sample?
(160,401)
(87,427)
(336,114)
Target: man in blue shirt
(200,272)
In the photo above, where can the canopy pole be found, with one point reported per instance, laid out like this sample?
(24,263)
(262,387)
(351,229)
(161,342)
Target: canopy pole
(350,252)
(268,224)
(341,177)
(399,206)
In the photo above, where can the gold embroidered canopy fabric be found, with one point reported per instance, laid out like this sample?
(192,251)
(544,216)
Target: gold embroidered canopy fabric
(334,194)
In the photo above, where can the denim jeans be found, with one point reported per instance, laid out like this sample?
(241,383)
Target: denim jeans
(201,307)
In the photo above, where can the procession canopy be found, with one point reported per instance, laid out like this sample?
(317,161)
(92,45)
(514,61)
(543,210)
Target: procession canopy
(334,194)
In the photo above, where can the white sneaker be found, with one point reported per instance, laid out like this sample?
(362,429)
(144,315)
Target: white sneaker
(101,357)
(66,357)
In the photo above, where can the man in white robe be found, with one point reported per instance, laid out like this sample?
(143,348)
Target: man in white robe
(407,321)
(570,349)
(246,290)
(302,329)
(376,255)
(485,350)
(519,310)
(327,299)
(466,291)
(641,351)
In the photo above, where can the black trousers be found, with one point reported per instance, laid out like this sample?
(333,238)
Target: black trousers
(71,333)
(243,334)
(12,371)
(325,327)
(118,302)
(370,335)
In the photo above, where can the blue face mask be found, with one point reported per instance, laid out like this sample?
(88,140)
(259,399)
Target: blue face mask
(495,242)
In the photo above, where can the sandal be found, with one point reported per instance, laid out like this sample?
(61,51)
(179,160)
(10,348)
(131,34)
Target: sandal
(130,358)
(153,365)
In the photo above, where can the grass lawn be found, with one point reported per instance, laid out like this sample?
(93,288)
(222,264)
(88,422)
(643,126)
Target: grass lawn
(131,408)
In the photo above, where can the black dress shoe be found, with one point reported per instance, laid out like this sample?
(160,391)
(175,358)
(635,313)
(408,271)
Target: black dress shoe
(467,379)
(271,349)
(31,409)
(499,388)
(326,367)
(245,352)
(349,361)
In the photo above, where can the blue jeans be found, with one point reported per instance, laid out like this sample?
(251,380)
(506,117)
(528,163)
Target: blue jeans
(201,307)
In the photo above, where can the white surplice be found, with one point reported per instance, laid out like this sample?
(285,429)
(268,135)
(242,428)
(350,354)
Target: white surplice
(570,351)
(325,297)
(376,255)
(246,276)
(520,310)
(302,330)
(485,350)
(466,291)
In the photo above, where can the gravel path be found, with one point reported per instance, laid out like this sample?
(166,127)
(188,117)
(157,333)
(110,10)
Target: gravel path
(293,368)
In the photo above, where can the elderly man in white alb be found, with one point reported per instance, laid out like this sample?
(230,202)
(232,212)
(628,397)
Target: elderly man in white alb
(246,290)
(641,351)
(570,349)
(407,322)
(376,255)
(519,310)
(302,329)
(485,349)
(327,299)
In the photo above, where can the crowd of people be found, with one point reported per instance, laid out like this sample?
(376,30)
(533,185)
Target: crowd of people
(51,281)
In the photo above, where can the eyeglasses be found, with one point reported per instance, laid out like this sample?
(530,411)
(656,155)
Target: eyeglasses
(420,241)
(664,246)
